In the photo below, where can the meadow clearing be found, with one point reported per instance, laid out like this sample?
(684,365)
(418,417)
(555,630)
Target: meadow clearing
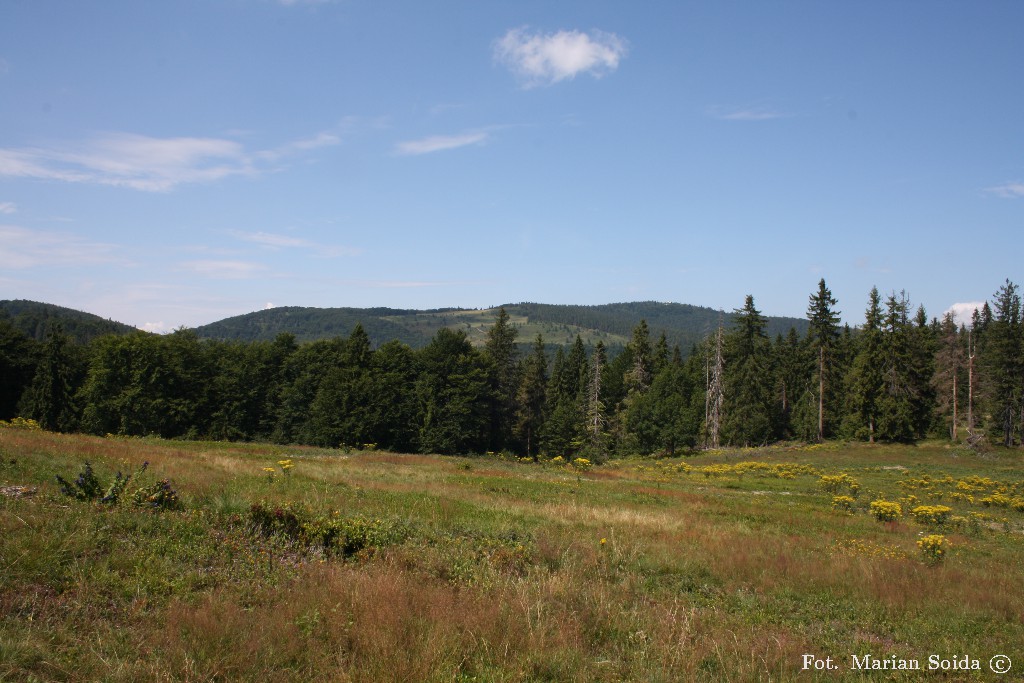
(302,564)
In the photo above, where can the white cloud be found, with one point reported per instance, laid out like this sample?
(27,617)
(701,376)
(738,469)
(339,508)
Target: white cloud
(438,143)
(157,327)
(8,207)
(224,270)
(268,306)
(545,59)
(399,284)
(1014,190)
(147,163)
(308,144)
(22,248)
(963,312)
(273,241)
(127,160)
(745,113)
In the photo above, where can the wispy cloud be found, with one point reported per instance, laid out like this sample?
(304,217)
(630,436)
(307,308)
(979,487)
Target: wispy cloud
(147,163)
(8,207)
(275,241)
(271,240)
(1013,190)
(439,143)
(22,248)
(224,270)
(544,59)
(399,284)
(724,113)
(318,141)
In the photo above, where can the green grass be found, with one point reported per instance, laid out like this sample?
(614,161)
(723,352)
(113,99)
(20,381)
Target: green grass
(724,566)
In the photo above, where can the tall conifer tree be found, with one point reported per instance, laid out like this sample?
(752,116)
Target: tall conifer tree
(823,333)
(865,382)
(501,351)
(1003,361)
(50,398)
(747,410)
(533,397)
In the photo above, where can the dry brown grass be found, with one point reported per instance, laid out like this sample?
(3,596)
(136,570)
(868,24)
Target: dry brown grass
(502,576)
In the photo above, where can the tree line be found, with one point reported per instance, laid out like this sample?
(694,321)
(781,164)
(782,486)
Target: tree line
(897,376)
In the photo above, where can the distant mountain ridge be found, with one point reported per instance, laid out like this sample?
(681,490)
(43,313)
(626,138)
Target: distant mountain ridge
(36,319)
(683,324)
(612,324)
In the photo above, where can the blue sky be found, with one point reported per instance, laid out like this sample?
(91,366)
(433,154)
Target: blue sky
(174,163)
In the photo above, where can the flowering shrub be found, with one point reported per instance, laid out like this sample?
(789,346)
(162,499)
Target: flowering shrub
(857,547)
(844,503)
(931,515)
(87,486)
(933,547)
(582,464)
(997,500)
(159,495)
(20,423)
(885,511)
(343,535)
(834,483)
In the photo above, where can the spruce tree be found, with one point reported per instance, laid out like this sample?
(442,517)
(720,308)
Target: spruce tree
(342,411)
(564,427)
(18,357)
(948,379)
(638,379)
(865,382)
(660,356)
(747,409)
(1003,361)
(395,409)
(923,344)
(533,397)
(50,398)
(895,406)
(595,413)
(790,378)
(453,388)
(823,333)
(504,375)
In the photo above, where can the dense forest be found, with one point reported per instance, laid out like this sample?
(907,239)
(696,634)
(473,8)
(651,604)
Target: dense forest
(897,376)
(37,319)
(612,324)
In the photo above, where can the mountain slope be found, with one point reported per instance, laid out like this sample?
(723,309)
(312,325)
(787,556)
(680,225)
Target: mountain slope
(612,324)
(35,319)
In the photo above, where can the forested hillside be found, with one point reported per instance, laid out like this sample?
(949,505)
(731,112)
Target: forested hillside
(611,324)
(899,376)
(310,324)
(35,319)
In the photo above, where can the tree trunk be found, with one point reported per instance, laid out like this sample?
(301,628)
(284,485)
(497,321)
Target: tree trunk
(953,433)
(970,387)
(821,394)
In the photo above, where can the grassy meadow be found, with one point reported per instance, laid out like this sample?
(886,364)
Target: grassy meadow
(370,566)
